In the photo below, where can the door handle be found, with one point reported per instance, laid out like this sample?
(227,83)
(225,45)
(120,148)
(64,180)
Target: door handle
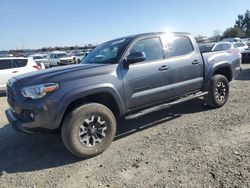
(195,62)
(15,72)
(163,67)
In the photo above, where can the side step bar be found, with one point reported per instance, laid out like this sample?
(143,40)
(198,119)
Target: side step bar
(163,106)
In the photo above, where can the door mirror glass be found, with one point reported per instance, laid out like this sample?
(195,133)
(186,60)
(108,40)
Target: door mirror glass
(136,57)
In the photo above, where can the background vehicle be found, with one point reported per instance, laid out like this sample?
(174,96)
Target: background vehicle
(240,45)
(60,58)
(246,56)
(13,66)
(211,47)
(234,39)
(130,76)
(41,60)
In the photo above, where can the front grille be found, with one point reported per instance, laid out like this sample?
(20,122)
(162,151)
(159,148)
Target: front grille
(11,97)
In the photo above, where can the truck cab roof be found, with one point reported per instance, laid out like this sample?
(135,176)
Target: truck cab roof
(152,34)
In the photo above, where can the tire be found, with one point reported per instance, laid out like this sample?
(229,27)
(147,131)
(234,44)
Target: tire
(78,126)
(218,92)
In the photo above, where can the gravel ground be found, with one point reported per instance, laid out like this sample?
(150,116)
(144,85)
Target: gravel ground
(188,145)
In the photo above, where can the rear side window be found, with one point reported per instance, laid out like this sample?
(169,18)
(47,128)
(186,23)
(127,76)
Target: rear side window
(20,62)
(223,46)
(178,46)
(152,47)
(218,47)
(5,64)
(239,44)
(226,46)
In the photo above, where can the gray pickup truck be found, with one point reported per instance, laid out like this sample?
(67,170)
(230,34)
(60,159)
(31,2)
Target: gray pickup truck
(130,77)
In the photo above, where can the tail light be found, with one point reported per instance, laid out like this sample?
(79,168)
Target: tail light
(37,67)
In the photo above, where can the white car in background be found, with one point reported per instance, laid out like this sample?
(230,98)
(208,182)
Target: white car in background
(13,66)
(235,39)
(41,60)
(223,46)
(242,46)
(58,58)
(211,47)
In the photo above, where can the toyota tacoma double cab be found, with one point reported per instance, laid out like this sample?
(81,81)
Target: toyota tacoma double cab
(129,77)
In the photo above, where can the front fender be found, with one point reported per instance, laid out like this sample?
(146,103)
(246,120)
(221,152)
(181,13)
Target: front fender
(81,92)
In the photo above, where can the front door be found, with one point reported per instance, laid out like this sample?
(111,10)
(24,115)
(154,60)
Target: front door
(144,81)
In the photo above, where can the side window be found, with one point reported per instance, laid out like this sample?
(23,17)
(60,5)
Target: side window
(226,46)
(20,62)
(218,47)
(152,47)
(178,46)
(5,64)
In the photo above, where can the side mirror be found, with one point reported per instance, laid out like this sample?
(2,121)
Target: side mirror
(136,57)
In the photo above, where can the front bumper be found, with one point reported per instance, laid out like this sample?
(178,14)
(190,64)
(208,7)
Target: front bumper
(31,116)
(25,127)
(17,124)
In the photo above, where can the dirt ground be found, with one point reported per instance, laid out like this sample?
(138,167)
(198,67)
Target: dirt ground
(188,145)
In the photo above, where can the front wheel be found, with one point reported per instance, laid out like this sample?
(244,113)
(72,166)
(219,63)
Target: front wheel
(218,92)
(89,130)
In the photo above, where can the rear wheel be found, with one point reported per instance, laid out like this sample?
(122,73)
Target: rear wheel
(218,92)
(89,130)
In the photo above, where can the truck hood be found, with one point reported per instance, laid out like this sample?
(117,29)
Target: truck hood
(61,74)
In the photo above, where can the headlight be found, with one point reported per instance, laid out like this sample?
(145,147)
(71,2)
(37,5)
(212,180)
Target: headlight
(38,91)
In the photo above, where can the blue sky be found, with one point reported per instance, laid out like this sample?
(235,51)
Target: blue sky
(39,23)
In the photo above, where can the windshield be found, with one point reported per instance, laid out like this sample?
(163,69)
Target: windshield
(61,55)
(106,53)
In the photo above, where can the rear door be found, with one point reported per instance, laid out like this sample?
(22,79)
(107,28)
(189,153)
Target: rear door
(185,65)
(144,81)
(6,72)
